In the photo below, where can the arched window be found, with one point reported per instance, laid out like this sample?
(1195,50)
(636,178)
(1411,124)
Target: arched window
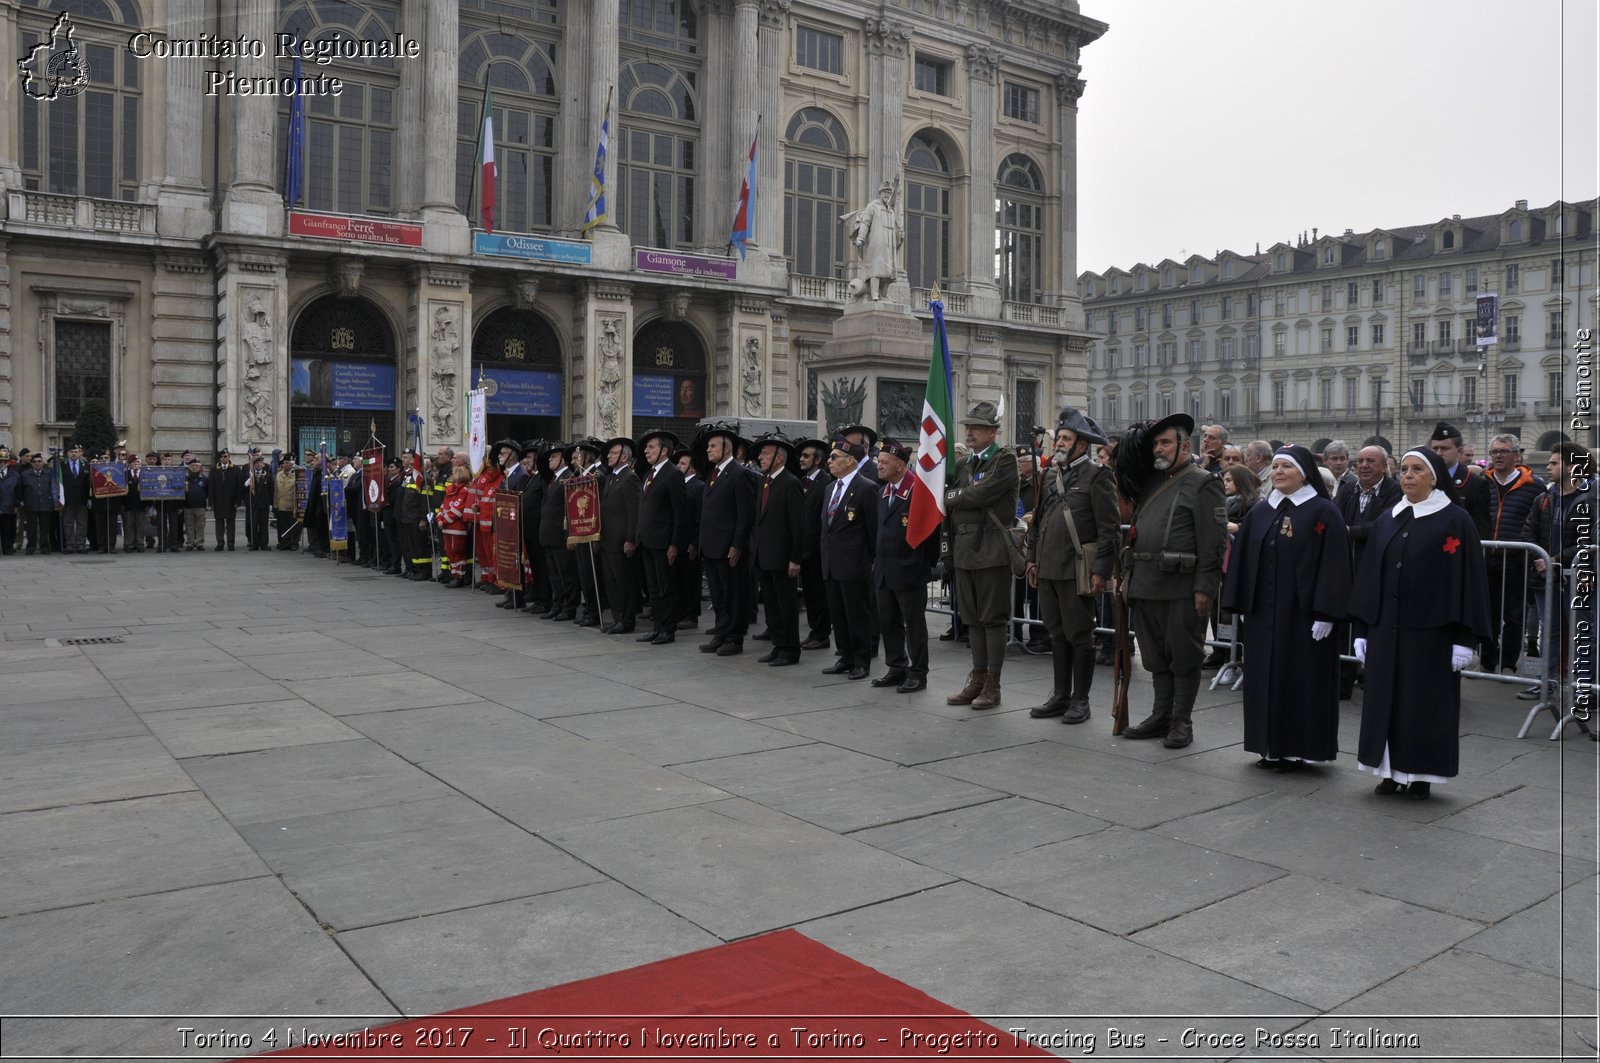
(85,141)
(814,193)
(659,111)
(516,63)
(928,186)
(1019,230)
(341,374)
(350,138)
(521,353)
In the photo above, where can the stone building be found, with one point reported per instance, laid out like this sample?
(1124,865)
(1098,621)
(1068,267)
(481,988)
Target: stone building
(147,255)
(1358,334)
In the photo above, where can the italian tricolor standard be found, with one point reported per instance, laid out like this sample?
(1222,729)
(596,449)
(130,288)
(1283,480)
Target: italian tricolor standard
(933,446)
(486,165)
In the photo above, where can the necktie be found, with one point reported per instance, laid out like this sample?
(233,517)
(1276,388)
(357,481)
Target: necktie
(833,503)
(766,485)
(713,477)
(648,480)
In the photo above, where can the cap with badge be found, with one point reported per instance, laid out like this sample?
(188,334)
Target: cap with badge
(984,414)
(896,448)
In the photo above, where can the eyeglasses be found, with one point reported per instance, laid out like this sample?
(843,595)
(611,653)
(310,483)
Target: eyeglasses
(1500,453)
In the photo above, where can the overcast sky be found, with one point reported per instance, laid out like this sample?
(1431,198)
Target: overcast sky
(1217,124)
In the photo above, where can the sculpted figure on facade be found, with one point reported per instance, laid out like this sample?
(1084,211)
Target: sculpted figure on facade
(609,393)
(751,375)
(444,357)
(256,392)
(878,235)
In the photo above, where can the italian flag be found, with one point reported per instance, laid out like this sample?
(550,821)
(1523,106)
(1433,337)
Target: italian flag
(932,460)
(486,163)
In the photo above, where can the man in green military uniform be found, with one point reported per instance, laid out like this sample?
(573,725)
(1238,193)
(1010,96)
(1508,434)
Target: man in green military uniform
(1173,568)
(981,505)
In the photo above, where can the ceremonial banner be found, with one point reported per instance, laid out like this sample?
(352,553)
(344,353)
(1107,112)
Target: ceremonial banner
(477,414)
(302,492)
(508,540)
(161,483)
(108,479)
(338,516)
(932,461)
(374,486)
(1488,318)
(583,510)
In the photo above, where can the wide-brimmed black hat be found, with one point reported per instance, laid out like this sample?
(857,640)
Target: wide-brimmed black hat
(591,443)
(668,439)
(549,447)
(508,444)
(621,441)
(1172,420)
(872,437)
(778,439)
(820,445)
(532,446)
(727,431)
(1310,471)
(1081,424)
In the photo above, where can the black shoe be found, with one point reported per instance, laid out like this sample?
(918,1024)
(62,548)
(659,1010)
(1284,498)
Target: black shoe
(839,667)
(1287,767)
(814,643)
(610,629)
(649,636)
(948,636)
(506,603)
(1054,705)
(912,684)
(564,616)
(711,647)
(1077,710)
(588,621)
(688,624)
(1419,791)
(1389,786)
(765,636)
(782,661)
(1215,659)
(767,658)
(664,638)
(1267,764)
(1150,727)
(622,629)
(892,678)
(731,648)
(858,672)
(1180,735)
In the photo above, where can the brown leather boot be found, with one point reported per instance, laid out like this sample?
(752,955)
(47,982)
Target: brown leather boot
(973,688)
(990,697)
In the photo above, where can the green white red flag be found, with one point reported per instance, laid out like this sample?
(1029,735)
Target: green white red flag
(933,438)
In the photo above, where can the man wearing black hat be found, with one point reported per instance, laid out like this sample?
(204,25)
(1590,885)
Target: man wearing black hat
(662,535)
(561,563)
(588,456)
(900,574)
(536,586)
(1470,485)
(619,537)
(849,544)
(776,540)
(982,507)
(814,480)
(868,440)
(1074,534)
(226,492)
(516,482)
(726,520)
(1174,571)
(690,569)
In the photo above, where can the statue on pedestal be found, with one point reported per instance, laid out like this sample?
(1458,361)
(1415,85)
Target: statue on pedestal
(878,235)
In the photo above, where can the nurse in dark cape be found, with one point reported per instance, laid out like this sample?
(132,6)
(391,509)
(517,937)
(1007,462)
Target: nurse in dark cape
(1420,605)
(1289,579)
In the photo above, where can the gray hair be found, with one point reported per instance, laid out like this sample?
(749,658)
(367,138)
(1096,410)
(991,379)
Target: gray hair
(1259,449)
(1510,440)
(1221,431)
(1336,446)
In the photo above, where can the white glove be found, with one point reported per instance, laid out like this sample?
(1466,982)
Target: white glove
(1361,650)
(1459,656)
(1320,629)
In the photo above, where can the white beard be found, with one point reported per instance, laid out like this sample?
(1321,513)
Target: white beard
(1162,464)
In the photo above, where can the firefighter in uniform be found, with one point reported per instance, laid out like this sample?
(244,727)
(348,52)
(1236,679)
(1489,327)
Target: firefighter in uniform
(484,485)
(1174,571)
(981,506)
(453,525)
(411,521)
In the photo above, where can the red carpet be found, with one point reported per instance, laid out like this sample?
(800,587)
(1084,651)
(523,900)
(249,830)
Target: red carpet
(748,999)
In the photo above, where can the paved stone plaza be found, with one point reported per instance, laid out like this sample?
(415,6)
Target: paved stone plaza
(297,789)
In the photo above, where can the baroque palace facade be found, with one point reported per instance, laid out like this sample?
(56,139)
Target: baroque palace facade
(1343,337)
(147,256)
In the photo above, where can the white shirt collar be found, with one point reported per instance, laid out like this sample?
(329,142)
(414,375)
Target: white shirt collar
(657,466)
(1427,507)
(1299,498)
(844,481)
(722,466)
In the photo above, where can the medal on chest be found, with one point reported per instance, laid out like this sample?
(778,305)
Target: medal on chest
(1286,529)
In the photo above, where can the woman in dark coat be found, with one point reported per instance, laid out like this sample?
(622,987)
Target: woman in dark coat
(1421,604)
(1289,579)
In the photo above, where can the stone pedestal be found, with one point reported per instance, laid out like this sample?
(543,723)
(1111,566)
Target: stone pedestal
(868,371)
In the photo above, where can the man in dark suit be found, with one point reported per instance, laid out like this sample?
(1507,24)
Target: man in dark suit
(814,480)
(619,536)
(227,491)
(75,493)
(690,568)
(589,460)
(777,541)
(849,544)
(536,585)
(561,562)
(900,575)
(1361,501)
(726,519)
(662,534)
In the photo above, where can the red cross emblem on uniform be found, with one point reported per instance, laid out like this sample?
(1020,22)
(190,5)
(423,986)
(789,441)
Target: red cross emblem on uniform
(1451,544)
(1319,527)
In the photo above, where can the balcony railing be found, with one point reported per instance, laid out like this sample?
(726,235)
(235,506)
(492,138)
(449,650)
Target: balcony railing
(954,302)
(828,289)
(81,212)
(1031,313)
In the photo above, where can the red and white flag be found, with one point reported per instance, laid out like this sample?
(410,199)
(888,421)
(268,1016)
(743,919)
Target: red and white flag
(486,166)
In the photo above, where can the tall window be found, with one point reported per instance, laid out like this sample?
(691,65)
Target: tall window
(1352,337)
(1325,395)
(658,108)
(1019,230)
(1280,344)
(931,75)
(85,144)
(1224,403)
(1554,386)
(1513,277)
(928,188)
(1513,328)
(1509,388)
(1351,384)
(1227,308)
(1469,391)
(526,107)
(814,193)
(1446,331)
(1558,272)
(1446,283)
(818,50)
(350,138)
(1022,103)
(82,365)
(1278,396)
(1377,335)
(1419,335)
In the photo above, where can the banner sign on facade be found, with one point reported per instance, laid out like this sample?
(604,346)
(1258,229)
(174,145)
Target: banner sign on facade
(302,491)
(583,510)
(364,230)
(341,385)
(374,483)
(338,515)
(685,265)
(161,483)
(108,479)
(508,540)
(536,248)
(1488,318)
(659,395)
(525,392)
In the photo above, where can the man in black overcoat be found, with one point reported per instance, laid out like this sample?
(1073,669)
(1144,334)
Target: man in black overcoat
(619,536)
(690,568)
(777,541)
(814,479)
(663,534)
(849,544)
(726,519)
(900,575)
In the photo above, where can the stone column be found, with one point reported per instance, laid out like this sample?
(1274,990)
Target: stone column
(440,318)
(576,130)
(982,62)
(8,416)
(252,293)
(252,203)
(715,187)
(769,164)
(749,371)
(745,71)
(409,142)
(1069,88)
(887,41)
(599,388)
(446,230)
(10,129)
(182,209)
(611,244)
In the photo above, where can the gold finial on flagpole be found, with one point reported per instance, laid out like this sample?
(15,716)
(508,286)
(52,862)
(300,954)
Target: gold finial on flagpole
(935,295)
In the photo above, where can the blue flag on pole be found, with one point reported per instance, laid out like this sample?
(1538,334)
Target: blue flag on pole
(294,174)
(596,214)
